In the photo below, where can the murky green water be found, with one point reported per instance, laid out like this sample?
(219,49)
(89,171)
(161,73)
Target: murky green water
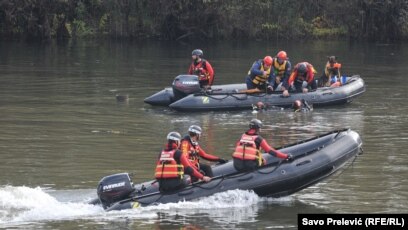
(62,130)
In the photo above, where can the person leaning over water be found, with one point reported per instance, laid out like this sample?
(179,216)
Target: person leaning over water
(172,165)
(202,68)
(247,154)
(259,77)
(281,69)
(192,150)
(303,72)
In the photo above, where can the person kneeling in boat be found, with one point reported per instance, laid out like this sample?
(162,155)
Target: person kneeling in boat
(303,72)
(331,76)
(259,77)
(202,68)
(281,69)
(192,150)
(172,165)
(301,106)
(247,155)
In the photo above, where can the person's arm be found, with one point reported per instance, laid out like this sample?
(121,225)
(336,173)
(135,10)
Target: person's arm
(265,146)
(210,72)
(186,163)
(207,156)
(190,69)
(256,69)
(310,75)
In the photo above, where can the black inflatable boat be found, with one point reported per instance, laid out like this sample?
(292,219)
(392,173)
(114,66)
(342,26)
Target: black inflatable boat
(186,95)
(314,160)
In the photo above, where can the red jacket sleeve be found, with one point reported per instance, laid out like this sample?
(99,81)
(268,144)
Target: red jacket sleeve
(310,74)
(206,156)
(292,78)
(186,163)
(210,71)
(190,69)
(265,146)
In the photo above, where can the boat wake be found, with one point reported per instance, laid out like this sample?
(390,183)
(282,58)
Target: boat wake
(24,205)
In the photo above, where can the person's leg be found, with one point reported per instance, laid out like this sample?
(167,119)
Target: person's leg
(206,169)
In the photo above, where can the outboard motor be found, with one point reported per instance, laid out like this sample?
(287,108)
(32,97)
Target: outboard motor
(184,85)
(114,188)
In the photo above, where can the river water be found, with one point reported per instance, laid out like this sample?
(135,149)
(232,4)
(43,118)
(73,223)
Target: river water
(62,130)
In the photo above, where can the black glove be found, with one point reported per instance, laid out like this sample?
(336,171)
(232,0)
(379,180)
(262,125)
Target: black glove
(222,161)
(289,157)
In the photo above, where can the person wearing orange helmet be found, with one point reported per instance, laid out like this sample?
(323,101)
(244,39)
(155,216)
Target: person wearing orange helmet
(260,75)
(202,68)
(303,72)
(281,69)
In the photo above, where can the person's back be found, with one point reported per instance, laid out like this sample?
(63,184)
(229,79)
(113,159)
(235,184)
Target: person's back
(247,154)
(172,165)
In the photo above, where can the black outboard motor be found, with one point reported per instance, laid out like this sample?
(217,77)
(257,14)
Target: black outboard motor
(184,85)
(114,188)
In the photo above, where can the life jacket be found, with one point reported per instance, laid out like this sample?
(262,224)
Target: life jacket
(329,69)
(305,76)
(246,149)
(200,69)
(260,79)
(191,150)
(279,69)
(167,167)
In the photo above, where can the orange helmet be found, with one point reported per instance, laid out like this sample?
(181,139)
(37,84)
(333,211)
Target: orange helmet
(282,55)
(267,60)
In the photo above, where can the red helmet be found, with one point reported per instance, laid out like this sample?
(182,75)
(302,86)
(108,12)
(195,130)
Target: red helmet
(282,55)
(267,60)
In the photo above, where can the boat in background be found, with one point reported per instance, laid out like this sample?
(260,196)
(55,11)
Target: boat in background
(186,95)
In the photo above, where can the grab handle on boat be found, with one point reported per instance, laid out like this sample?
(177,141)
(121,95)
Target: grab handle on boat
(187,192)
(245,178)
(304,162)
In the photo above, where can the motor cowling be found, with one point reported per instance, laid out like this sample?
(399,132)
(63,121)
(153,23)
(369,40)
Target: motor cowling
(114,188)
(184,85)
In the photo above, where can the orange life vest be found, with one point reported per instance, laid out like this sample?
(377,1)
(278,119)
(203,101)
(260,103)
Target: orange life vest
(191,150)
(167,167)
(328,68)
(201,70)
(246,149)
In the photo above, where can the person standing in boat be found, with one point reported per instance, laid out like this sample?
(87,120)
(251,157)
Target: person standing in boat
(172,165)
(331,76)
(281,69)
(202,68)
(259,77)
(303,72)
(247,154)
(192,150)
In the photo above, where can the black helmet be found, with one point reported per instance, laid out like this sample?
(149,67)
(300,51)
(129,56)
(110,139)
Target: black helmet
(302,68)
(197,52)
(195,129)
(174,136)
(255,124)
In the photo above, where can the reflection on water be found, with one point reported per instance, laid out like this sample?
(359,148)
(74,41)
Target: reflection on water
(63,128)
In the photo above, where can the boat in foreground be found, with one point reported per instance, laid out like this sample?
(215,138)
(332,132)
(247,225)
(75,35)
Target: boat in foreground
(314,160)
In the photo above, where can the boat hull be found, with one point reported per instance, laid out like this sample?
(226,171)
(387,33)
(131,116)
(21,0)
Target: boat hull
(240,101)
(315,160)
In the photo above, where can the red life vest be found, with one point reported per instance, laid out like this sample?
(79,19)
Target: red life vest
(246,149)
(167,167)
(200,70)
